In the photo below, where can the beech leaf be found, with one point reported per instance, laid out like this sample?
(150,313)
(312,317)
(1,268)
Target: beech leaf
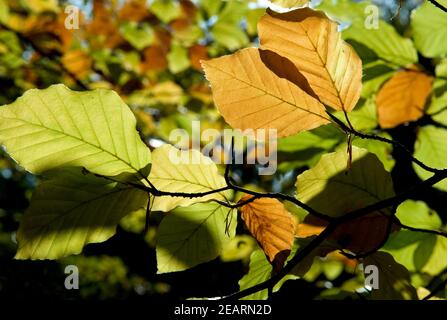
(249,95)
(403,98)
(272,225)
(313,43)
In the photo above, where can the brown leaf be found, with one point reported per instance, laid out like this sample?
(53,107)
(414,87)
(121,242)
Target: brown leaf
(249,95)
(360,235)
(154,59)
(313,43)
(197,53)
(134,10)
(272,226)
(403,98)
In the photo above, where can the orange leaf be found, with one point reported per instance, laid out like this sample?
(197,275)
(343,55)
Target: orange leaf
(250,95)
(272,225)
(77,62)
(313,43)
(403,98)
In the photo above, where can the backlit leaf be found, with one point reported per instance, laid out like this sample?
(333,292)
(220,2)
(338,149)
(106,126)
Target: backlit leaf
(272,225)
(331,188)
(313,43)
(193,235)
(429,25)
(431,149)
(70,210)
(260,270)
(257,93)
(56,127)
(394,279)
(290,3)
(403,97)
(188,171)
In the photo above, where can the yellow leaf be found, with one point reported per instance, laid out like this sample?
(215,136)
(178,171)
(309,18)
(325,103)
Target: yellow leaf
(290,3)
(403,98)
(189,171)
(272,225)
(250,95)
(313,43)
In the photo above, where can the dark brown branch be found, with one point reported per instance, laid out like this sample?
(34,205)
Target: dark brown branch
(349,129)
(435,232)
(438,5)
(435,291)
(297,258)
(300,255)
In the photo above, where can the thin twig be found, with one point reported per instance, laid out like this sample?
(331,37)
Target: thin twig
(438,5)
(395,143)
(435,232)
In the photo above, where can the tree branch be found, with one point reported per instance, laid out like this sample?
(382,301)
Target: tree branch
(299,256)
(394,143)
(435,232)
(438,5)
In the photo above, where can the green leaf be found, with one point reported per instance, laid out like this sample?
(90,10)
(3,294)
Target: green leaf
(332,269)
(431,149)
(417,251)
(324,137)
(344,10)
(418,215)
(72,209)
(4,11)
(193,235)
(57,127)
(374,75)
(330,188)
(138,36)
(233,12)
(166,10)
(184,171)
(364,117)
(429,25)
(253,17)
(211,7)
(260,270)
(396,49)
(229,35)
(394,279)
(368,42)
(382,150)
(178,59)
(438,103)
(441,69)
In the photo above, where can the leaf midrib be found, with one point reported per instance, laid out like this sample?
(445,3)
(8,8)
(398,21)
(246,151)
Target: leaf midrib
(270,94)
(79,139)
